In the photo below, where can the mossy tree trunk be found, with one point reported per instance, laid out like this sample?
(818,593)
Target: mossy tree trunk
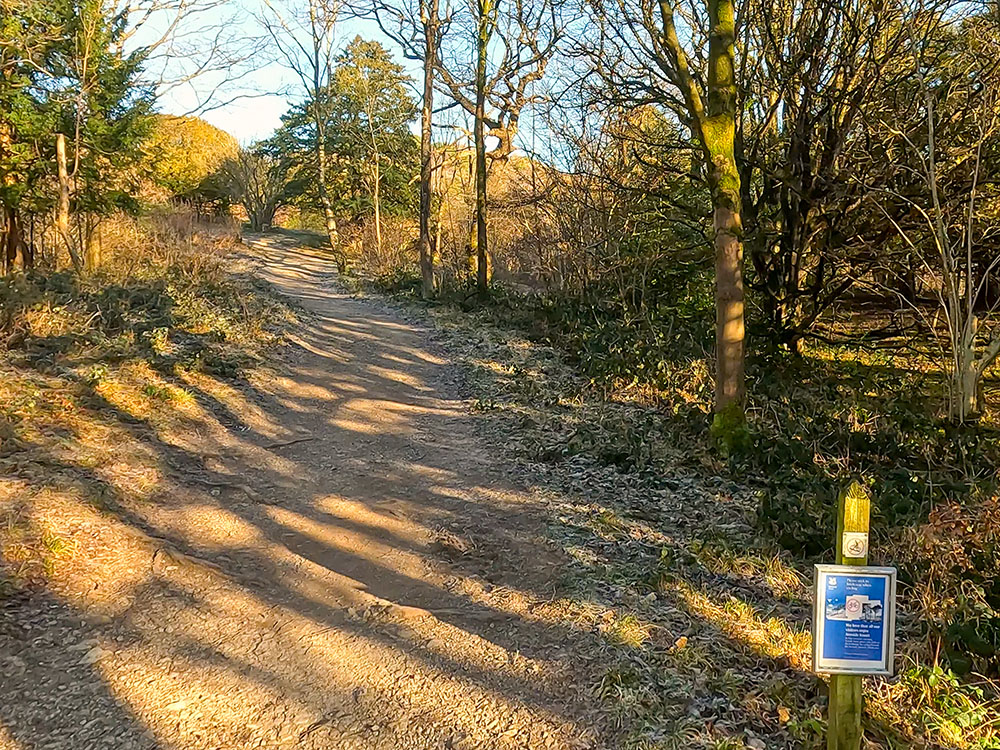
(715,128)
(719,134)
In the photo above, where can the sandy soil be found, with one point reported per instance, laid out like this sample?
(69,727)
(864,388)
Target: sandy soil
(328,556)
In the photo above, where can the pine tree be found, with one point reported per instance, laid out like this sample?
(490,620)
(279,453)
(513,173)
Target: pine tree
(105,115)
(371,152)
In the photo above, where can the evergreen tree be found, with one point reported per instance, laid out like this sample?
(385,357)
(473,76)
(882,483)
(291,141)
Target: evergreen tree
(372,153)
(30,31)
(64,70)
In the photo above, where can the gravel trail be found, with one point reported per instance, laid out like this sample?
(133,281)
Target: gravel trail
(330,557)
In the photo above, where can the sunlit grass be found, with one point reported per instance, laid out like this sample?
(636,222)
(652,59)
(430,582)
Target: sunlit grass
(781,577)
(768,636)
(628,630)
(933,704)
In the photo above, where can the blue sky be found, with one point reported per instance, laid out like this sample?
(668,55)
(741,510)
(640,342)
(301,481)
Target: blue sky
(264,93)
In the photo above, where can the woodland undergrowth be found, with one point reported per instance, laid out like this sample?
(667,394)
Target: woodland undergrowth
(694,559)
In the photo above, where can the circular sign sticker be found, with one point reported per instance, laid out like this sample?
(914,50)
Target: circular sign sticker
(853,606)
(855,544)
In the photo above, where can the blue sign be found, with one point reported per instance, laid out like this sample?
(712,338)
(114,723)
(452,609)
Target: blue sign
(854,619)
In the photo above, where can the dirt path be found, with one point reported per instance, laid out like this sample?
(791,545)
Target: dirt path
(328,557)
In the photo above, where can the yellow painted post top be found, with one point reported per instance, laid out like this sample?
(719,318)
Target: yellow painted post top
(853,515)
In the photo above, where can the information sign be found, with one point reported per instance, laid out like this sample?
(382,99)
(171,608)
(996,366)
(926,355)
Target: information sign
(854,620)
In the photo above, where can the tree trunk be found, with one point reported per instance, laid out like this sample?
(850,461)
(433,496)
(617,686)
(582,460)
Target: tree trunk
(438,229)
(333,236)
(968,370)
(62,212)
(30,247)
(482,44)
(472,254)
(377,205)
(16,242)
(430,24)
(11,239)
(719,133)
(729,326)
(965,389)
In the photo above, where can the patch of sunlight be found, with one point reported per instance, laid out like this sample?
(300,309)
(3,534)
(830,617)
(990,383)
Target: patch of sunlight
(138,480)
(231,397)
(337,505)
(375,323)
(58,547)
(7,739)
(783,579)
(627,630)
(771,636)
(212,526)
(838,354)
(494,366)
(344,386)
(297,388)
(583,555)
(398,376)
(948,710)
(27,544)
(292,405)
(398,360)
(125,397)
(427,357)
(341,550)
(609,524)
(374,417)
(350,425)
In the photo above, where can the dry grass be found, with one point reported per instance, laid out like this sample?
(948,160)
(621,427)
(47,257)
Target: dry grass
(82,361)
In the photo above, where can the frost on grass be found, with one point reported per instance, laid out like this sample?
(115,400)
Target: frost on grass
(704,621)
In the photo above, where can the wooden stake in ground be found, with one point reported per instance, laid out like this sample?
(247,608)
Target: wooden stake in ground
(844,724)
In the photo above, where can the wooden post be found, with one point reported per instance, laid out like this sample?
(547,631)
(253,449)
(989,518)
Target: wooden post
(844,724)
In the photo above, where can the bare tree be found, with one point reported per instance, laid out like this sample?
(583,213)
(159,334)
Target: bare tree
(519,40)
(431,25)
(257,180)
(417,26)
(943,202)
(304,34)
(193,49)
(486,21)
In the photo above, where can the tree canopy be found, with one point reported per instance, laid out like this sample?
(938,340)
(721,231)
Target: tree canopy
(367,115)
(186,154)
